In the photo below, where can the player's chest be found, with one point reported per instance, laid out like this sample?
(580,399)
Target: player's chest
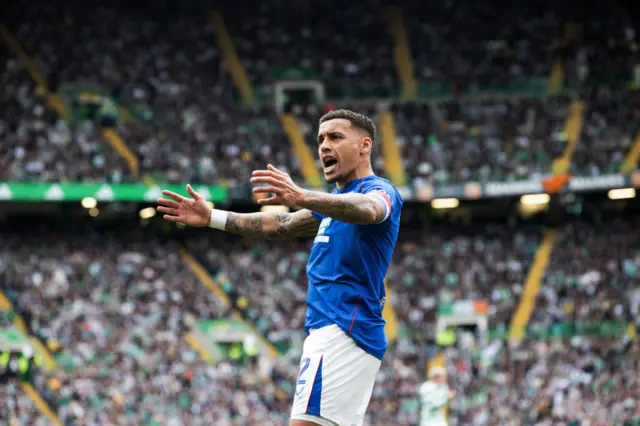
(331,230)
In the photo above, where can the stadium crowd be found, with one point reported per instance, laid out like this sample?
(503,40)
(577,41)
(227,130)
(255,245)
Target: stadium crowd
(167,74)
(16,407)
(494,140)
(574,381)
(38,145)
(349,49)
(593,274)
(119,305)
(466,47)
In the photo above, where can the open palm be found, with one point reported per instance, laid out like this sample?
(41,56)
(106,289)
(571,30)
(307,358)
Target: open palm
(193,211)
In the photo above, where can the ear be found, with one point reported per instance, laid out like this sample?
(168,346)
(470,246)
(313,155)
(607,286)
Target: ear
(366,145)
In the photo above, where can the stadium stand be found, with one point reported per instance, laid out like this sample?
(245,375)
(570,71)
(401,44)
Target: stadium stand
(349,49)
(511,52)
(38,145)
(116,303)
(592,274)
(185,126)
(500,140)
(122,302)
(16,408)
(168,74)
(610,130)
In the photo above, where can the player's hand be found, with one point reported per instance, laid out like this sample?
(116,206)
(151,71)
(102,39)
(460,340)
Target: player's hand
(193,211)
(279,184)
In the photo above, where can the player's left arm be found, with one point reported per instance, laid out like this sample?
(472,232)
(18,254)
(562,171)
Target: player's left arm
(361,209)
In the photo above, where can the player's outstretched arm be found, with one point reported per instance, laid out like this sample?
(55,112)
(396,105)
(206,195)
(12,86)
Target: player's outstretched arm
(361,209)
(195,211)
(274,226)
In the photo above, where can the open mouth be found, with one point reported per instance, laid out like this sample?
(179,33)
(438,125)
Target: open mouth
(329,164)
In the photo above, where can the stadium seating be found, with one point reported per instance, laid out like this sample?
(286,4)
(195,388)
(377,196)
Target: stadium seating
(610,129)
(592,274)
(124,302)
(467,47)
(480,140)
(119,302)
(168,75)
(348,49)
(40,146)
(16,408)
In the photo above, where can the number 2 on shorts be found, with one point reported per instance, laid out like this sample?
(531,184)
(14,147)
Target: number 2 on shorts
(305,365)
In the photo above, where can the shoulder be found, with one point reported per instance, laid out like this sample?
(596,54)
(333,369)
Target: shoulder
(385,191)
(383,186)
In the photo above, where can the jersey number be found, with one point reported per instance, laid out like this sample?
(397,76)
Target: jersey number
(305,365)
(321,238)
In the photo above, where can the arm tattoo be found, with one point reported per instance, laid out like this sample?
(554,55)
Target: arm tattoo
(273,226)
(350,208)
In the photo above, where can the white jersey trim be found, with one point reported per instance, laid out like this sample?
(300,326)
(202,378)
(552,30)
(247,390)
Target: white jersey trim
(384,201)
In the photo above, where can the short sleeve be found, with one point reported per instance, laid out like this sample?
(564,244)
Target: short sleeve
(386,193)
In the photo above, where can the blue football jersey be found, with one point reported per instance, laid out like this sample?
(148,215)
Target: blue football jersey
(347,267)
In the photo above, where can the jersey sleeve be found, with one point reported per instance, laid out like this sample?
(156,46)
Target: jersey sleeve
(386,194)
(318,216)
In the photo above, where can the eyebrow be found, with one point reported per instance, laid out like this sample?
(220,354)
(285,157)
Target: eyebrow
(333,133)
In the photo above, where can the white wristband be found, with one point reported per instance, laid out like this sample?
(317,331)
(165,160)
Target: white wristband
(218,219)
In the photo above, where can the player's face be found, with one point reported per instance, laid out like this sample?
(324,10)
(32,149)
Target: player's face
(340,149)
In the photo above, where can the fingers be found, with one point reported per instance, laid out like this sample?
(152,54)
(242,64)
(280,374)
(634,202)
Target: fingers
(171,218)
(266,179)
(168,210)
(173,195)
(257,173)
(267,201)
(193,193)
(266,190)
(273,169)
(168,203)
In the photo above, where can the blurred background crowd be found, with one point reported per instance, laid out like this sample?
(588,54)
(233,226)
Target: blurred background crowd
(116,302)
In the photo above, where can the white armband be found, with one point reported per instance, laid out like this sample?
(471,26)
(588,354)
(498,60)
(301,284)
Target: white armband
(218,219)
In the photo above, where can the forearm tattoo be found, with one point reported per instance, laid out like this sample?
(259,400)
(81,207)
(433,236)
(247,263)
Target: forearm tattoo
(273,226)
(350,208)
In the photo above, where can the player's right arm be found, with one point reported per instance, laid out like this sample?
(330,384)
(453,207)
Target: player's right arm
(195,211)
